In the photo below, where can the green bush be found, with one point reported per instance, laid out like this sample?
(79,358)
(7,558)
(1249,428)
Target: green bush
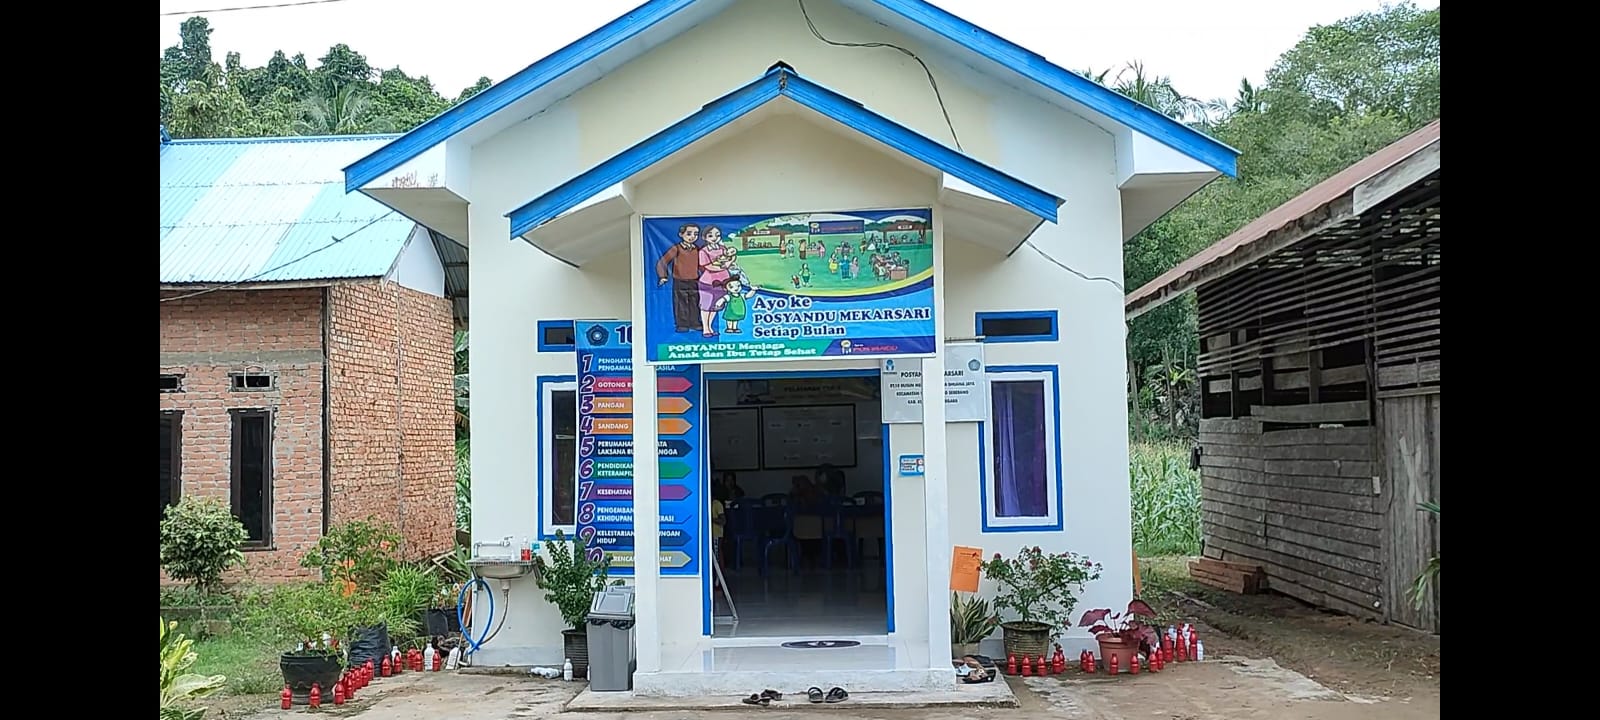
(570,579)
(200,540)
(359,553)
(287,615)
(1166,500)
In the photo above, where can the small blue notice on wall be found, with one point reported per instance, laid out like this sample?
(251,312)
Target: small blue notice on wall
(912,466)
(605,451)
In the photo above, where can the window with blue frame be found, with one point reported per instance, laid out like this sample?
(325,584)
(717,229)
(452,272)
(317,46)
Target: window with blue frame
(558,455)
(1021,473)
(1015,326)
(557,336)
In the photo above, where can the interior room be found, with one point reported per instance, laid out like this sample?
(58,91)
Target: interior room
(797,466)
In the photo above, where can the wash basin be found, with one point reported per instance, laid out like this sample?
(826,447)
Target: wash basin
(494,568)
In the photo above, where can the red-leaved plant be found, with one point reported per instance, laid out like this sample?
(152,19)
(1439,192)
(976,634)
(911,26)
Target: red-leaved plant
(1129,625)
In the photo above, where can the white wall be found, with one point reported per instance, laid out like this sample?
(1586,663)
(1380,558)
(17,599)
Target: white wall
(418,266)
(805,168)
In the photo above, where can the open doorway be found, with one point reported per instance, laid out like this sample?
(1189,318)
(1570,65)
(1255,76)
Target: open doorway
(797,466)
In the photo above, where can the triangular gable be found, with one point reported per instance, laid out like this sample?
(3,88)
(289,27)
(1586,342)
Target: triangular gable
(780,82)
(556,74)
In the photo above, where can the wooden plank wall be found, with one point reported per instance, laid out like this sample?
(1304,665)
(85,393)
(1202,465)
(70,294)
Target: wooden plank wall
(1410,451)
(1298,502)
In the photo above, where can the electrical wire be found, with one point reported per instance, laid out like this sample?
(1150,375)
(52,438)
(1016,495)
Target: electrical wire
(276,268)
(931,82)
(270,6)
(948,123)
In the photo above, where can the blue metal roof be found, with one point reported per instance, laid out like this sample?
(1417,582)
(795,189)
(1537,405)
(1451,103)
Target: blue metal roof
(917,13)
(272,210)
(780,81)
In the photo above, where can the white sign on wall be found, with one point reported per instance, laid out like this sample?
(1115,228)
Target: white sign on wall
(966,393)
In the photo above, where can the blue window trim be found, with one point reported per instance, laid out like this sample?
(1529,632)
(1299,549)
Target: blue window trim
(1053,315)
(542,505)
(984,449)
(780,81)
(547,347)
(888,484)
(1028,65)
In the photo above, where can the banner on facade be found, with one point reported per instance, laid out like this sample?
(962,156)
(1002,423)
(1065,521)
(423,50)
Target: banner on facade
(605,451)
(788,287)
(966,391)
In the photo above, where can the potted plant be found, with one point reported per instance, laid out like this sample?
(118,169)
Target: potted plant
(570,579)
(972,619)
(1122,635)
(451,571)
(300,617)
(1040,589)
(404,594)
(355,557)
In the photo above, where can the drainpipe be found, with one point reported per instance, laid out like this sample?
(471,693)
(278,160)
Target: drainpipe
(327,374)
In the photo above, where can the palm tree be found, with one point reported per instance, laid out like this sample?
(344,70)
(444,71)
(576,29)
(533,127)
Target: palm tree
(346,110)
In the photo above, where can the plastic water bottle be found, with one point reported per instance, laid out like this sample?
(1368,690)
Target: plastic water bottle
(453,659)
(427,657)
(566,669)
(1200,650)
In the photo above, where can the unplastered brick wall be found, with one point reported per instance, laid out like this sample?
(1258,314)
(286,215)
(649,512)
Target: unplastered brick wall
(205,339)
(392,410)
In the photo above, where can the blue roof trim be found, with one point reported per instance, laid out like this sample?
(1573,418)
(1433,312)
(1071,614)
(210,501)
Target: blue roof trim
(778,82)
(993,47)
(1095,96)
(502,94)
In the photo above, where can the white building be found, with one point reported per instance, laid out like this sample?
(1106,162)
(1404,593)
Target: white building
(759,118)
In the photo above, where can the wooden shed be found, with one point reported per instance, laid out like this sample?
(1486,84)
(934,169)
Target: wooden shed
(1319,372)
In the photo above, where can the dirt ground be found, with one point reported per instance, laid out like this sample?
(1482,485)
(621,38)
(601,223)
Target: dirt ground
(1267,658)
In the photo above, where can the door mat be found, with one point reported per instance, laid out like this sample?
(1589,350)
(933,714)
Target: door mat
(820,644)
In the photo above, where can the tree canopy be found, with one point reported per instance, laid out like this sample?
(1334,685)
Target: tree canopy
(1344,91)
(342,95)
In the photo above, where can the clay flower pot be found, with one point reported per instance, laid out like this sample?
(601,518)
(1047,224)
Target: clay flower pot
(1113,645)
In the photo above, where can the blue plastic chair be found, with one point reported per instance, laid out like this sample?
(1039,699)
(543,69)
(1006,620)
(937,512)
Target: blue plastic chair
(777,526)
(743,515)
(840,514)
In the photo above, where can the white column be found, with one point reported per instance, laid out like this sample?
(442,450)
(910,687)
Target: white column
(646,482)
(936,490)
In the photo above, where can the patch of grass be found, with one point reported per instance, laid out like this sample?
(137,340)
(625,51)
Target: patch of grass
(1166,500)
(250,667)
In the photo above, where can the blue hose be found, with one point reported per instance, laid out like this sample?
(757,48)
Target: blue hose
(488,622)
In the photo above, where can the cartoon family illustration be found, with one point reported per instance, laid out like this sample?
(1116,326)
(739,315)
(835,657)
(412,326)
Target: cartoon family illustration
(706,282)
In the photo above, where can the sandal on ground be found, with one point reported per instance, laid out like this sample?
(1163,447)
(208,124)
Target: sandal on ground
(837,694)
(771,694)
(756,700)
(814,694)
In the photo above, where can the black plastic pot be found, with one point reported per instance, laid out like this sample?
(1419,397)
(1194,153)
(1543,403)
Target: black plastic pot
(575,645)
(300,671)
(369,643)
(440,621)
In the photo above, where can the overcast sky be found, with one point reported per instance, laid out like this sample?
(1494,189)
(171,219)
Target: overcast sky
(1206,46)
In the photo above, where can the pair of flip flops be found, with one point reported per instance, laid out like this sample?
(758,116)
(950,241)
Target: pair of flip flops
(834,695)
(764,699)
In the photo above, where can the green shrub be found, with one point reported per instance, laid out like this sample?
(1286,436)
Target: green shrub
(570,579)
(200,540)
(1166,500)
(359,553)
(287,615)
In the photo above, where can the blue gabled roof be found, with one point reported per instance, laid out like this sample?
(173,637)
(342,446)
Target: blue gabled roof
(269,210)
(1028,65)
(780,81)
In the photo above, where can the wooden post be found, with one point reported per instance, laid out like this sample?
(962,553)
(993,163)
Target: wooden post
(1314,375)
(1138,583)
(1233,394)
(1267,381)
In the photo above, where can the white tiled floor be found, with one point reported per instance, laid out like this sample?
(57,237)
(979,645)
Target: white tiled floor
(813,604)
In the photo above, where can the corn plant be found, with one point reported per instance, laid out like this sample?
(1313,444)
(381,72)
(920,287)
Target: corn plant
(1166,500)
(1430,573)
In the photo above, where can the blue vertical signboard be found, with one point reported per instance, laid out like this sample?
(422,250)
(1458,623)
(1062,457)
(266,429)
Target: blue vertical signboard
(605,451)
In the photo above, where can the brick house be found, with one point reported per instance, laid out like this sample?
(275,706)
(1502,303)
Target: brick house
(307,348)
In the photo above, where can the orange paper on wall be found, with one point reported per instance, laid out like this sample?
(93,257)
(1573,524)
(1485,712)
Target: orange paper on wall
(965,563)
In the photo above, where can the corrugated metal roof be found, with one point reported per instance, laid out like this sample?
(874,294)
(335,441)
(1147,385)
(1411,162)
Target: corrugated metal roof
(272,210)
(1191,272)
